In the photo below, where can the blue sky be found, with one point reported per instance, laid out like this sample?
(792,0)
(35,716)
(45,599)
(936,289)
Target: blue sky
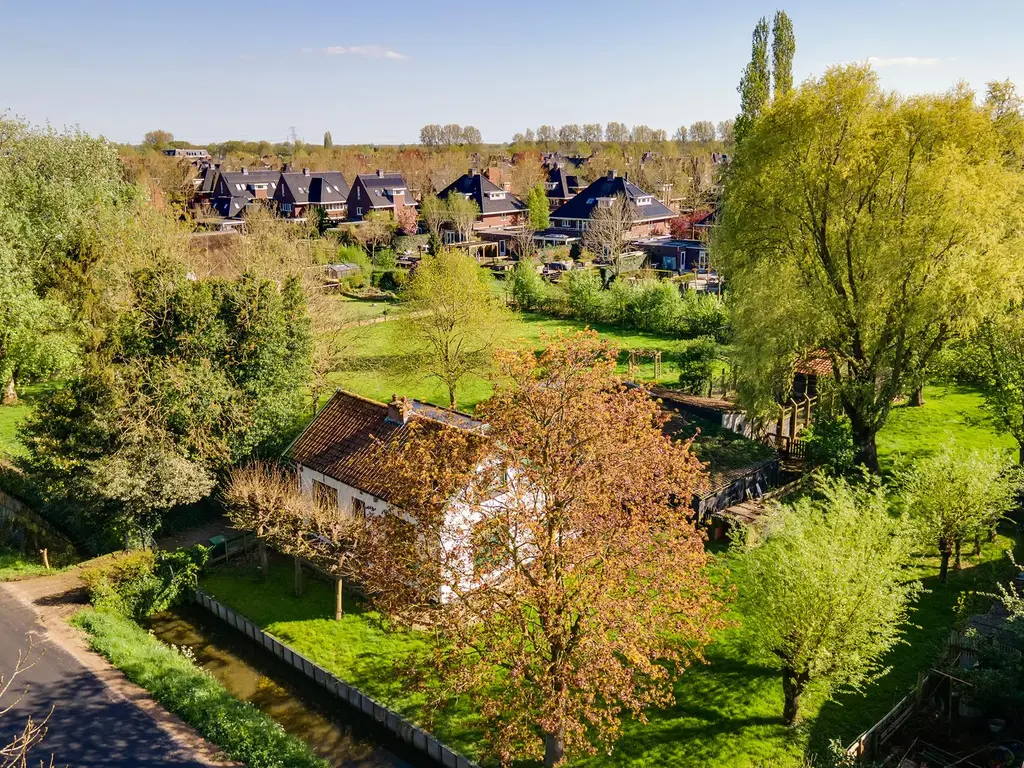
(377,71)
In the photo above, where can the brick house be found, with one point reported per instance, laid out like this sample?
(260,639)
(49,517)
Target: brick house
(379,191)
(498,208)
(650,215)
(236,190)
(299,191)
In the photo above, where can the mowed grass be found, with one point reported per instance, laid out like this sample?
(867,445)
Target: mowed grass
(381,361)
(357,649)
(12,415)
(950,414)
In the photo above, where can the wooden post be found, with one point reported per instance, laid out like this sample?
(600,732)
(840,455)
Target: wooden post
(338,610)
(46,558)
(778,427)
(298,577)
(807,410)
(792,422)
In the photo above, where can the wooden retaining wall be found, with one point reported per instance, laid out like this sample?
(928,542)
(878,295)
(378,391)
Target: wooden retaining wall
(402,728)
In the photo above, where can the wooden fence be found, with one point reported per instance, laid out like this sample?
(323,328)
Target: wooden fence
(353,697)
(869,744)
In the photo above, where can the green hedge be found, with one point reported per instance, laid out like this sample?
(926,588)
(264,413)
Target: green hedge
(239,728)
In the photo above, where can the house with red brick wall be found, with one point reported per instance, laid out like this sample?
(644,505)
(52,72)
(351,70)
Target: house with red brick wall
(498,207)
(650,215)
(378,191)
(298,192)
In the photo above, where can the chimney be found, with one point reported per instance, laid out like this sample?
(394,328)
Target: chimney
(611,175)
(245,171)
(380,172)
(399,410)
(305,171)
(471,173)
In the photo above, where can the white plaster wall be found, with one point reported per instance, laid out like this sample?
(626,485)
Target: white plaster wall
(346,493)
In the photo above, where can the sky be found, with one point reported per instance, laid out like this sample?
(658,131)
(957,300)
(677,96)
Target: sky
(375,72)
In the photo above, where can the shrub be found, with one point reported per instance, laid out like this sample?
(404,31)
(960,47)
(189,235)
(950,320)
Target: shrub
(695,365)
(583,295)
(527,286)
(140,583)
(829,444)
(703,314)
(238,727)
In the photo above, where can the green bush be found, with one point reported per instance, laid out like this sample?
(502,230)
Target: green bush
(695,365)
(527,286)
(583,295)
(702,314)
(239,728)
(829,443)
(140,583)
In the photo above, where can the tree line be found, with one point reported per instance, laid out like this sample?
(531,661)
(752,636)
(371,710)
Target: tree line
(701,132)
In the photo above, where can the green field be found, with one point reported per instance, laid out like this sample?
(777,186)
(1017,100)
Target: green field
(380,362)
(951,414)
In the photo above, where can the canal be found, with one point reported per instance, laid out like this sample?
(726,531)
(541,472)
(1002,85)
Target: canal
(336,732)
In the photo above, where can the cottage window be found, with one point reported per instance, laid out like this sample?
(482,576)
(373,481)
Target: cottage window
(359,508)
(359,211)
(325,494)
(643,201)
(286,207)
(359,194)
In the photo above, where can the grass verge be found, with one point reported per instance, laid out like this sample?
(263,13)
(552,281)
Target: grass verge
(237,727)
(15,566)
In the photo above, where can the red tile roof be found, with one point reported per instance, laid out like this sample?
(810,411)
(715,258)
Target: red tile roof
(816,364)
(341,440)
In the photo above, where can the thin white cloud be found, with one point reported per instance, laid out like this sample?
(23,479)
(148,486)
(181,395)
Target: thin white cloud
(369,51)
(903,61)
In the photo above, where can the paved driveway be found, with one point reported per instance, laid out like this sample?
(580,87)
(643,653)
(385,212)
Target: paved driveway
(91,727)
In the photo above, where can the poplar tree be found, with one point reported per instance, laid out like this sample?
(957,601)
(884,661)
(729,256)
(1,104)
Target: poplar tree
(755,85)
(783,48)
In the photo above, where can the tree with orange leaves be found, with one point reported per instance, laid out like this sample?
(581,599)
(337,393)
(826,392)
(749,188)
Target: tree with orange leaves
(552,552)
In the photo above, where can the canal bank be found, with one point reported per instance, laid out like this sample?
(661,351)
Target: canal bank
(336,732)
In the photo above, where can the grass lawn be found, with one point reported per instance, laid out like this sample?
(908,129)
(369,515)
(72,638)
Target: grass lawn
(378,367)
(950,414)
(357,649)
(12,415)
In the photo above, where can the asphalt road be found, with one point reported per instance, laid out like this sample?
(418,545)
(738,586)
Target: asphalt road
(89,727)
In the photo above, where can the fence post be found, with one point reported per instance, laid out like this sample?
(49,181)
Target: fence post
(298,577)
(792,422)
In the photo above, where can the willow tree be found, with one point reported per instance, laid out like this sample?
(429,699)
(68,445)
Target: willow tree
(873,226)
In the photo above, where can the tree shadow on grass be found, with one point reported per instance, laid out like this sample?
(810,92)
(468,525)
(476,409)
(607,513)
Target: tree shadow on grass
(927,639)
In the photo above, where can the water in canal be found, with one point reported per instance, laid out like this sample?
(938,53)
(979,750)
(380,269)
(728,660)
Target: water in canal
(336,732)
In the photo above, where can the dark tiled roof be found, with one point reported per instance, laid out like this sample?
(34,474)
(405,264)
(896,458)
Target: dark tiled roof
(581,206)
(318,187)
(378,189)
(341,441)
(479,188)
(565,185)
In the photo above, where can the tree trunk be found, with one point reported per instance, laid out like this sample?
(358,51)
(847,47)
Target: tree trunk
(261,548)
(451,396)
(865,450)
(1020,453)
(298,577)
(977,544)
(338,610)
(10,392)
(793,685)
(956,555)
(554,749)
(944,553)
(917,397)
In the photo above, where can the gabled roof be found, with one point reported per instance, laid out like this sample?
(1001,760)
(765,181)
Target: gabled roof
(609,186)
(565,185)
(232,183)
(208,176)
(341,441)
(489,197)
(378,189)
(317,187)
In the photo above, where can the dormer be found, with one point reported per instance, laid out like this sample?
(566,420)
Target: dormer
(644,200)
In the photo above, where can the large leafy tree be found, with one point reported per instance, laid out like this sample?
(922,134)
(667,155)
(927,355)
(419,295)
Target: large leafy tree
(573,584)
(454,317)
(869,225)
(1002,366)
(783,49)
(193,377)
(538,209)
(823,590)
